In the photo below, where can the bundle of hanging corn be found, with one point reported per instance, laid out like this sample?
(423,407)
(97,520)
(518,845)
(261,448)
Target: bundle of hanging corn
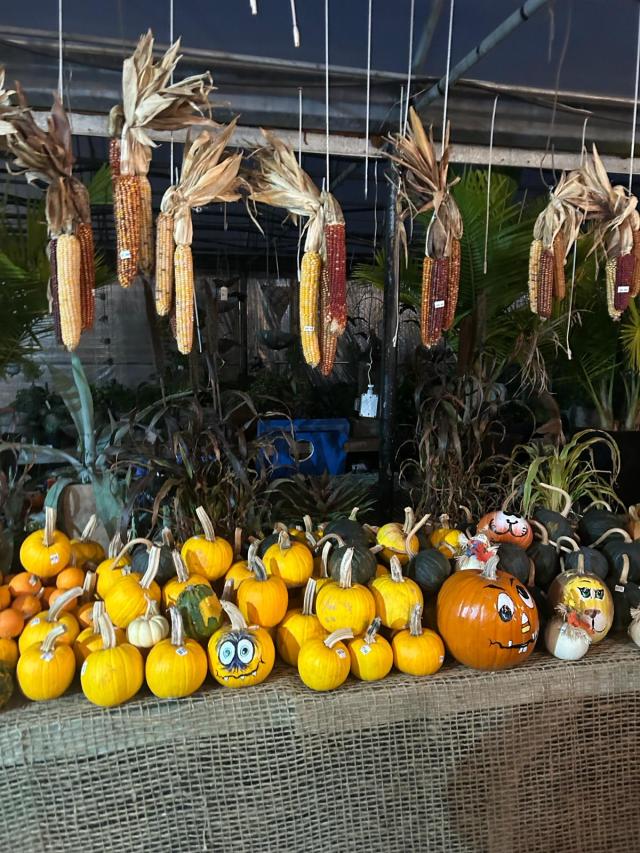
(47,156)
(280,182)
(206,177)
(149,102)
(616,231)
(554,234)
(423,187)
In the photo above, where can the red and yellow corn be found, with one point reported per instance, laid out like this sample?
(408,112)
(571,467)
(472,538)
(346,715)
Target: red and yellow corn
(126,209)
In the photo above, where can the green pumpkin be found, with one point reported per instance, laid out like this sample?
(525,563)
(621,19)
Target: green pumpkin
(363,564)
(515,560)
(166,569)
(626,597)
(594,561)
(429,569)
(595,522)
(554,523)
(266,543)
(201,611)
(349,530)
(6,685)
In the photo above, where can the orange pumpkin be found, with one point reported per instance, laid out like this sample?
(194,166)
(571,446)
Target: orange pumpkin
(27,604)
(5,597)
(487,619)
(25,583)
(501,526)
(46,552)
(11,623)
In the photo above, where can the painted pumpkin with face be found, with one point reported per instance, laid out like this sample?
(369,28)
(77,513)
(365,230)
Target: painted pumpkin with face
(501,526)
(240,655)
(588,595)
(487,619)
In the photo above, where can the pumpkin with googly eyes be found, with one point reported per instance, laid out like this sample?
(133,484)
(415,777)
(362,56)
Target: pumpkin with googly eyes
(487,618)
(240,655)
(501,526)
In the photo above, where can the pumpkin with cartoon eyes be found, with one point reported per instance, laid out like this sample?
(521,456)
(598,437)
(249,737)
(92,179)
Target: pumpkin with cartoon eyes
(588,595)
(240,655)
(501,526)
(487,619)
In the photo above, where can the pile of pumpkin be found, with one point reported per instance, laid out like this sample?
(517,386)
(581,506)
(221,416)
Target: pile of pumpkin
(344,598)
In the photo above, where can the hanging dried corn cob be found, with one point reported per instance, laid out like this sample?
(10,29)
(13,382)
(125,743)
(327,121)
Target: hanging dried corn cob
(68,277)
(206,177)
(54,305)
(310,273)
(544,303)
(336,261)
(424,187)
(84,233)
(149,103)
(328,338)
(164,263)
(635,283)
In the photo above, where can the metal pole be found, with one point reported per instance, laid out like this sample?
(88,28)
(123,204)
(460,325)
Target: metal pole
(389,352)
(487,44)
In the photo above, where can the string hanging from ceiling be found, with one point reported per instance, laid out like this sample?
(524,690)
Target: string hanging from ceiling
(487,211)
(368,102)
(294,24)
(326,92)
(403,126)
(635,106)
(446,78)
(575,251)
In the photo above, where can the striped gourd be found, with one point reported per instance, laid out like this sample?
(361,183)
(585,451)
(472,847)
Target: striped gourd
(624,281)
(53,290)
(545,284)
(453,286)
(535,253)
(68,275)
(635,283)
(164,263)
(610,277)
(425,302)
(310,269)
(84,233)
(183,271)
(335,235)
(145,259)
(559,250)
(126,209)
(328,338)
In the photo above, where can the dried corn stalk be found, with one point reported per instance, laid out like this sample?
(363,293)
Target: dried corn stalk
(207,176)
(149,102)
(423,188)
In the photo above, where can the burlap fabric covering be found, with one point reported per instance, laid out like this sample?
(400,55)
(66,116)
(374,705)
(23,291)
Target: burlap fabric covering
(540,758)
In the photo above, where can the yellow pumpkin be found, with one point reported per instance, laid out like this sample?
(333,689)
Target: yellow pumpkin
(298,626)
(83,610)
(262,599)
(343,604)
(395,596)
(371,655)
(46,552)
(396,538)
(85,549)
(37,628)
(173,588)
(325,664)
(290,560)
(448,540)
(46,670)
(239,655)
(207,555)
(127,598)
(417,650)
(110,571)
(238,572)
(176,667)
(113,674)
(90,639)
(8,653)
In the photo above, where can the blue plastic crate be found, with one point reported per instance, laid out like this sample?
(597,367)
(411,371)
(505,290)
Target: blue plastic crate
(326,439)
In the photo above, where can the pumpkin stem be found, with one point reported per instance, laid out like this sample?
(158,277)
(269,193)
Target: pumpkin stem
(541,529)
(396,569)
(372,630)
(96,613)
(56,608)
(468,515)
(50,515)
(152,608)
(633,513)
(337,636)
(46,646)
(180,566)
(597,503)
(624,574)
(237,542)
(284,540)
(115,546)
(410,535)
(625,536)
(573,545)
(167,538)
(375,549)
(509,498)
(89,528)
(227,591)
(153,564)
(531,579)
(409,520)
(415,621)
(107,632)
(279,526)
(89,586)
(259,569)
(331,537)
(345,569)
(206,524)
(238,622)
(309,595)
(568,503)
(443,520)
(371,529)
(353,515)
(324,559)
(126,548)
(177,627)
(490,570)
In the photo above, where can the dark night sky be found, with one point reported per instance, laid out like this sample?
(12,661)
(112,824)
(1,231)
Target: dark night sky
(600,56)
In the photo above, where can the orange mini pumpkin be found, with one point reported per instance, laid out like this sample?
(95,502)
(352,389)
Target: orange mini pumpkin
(501,526)
(487,619)
(46,552)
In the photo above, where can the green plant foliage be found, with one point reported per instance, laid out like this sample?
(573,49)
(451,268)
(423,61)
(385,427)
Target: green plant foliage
(323,498)
(571,467)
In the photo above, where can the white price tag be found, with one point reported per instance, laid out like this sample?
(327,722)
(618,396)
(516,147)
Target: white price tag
(439,303)
(619,588)
(84,667)
(181,651)
(125,255)
(224,293)
(365,649)
(308,328)
(341,653)
(54,558)
(624,288)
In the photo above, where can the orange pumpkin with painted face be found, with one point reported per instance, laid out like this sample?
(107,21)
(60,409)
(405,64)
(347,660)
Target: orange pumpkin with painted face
(487,619)
(501,526)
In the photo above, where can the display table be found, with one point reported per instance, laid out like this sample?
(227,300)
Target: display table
(543,758)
